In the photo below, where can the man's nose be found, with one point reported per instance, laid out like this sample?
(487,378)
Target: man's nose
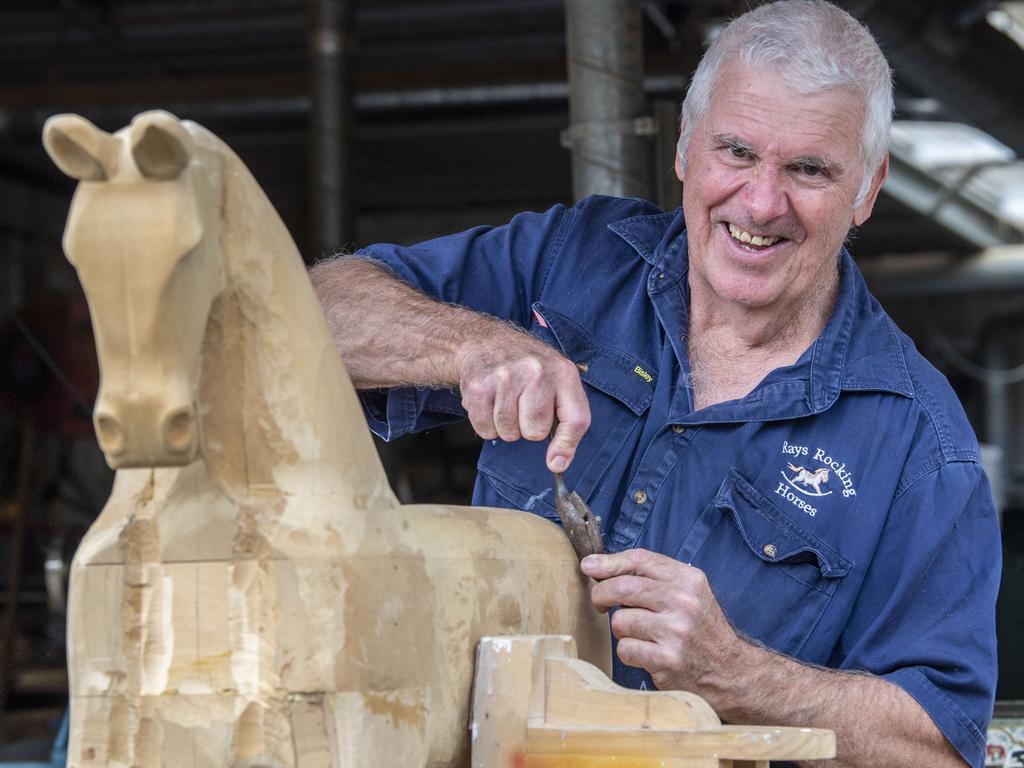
(765,195)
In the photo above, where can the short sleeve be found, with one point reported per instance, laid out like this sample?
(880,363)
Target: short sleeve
(925,618)
(495,270)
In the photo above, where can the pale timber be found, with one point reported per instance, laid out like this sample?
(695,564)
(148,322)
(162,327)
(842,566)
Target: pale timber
(536,705)
(252,593)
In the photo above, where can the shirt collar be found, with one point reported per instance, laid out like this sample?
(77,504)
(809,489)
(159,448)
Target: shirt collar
(858,350)
(658,238)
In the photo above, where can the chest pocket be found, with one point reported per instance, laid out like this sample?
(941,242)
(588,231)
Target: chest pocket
(619,388)
(773,578)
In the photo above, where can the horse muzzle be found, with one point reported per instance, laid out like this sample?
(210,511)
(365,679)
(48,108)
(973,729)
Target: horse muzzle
(141,432)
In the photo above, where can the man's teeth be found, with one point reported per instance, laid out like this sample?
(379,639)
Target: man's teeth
(746,237)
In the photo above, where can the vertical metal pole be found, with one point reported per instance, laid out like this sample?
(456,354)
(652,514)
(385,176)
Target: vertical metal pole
(997,421)
(331,199)
(667,186)
(604,39)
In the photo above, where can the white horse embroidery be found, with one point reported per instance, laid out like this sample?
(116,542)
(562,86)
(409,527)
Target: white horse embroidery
(810,479)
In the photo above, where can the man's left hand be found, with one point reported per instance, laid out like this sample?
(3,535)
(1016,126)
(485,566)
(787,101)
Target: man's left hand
(668,622)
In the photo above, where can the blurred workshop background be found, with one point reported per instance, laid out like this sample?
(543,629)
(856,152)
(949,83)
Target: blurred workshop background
(397,120)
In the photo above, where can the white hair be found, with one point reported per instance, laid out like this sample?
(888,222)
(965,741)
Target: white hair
(813,46)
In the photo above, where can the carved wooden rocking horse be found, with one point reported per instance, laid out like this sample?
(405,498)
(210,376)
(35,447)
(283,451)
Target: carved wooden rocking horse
(260,597)
(253,594)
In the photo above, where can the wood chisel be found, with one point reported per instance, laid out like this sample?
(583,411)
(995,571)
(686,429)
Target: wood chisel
(580,525)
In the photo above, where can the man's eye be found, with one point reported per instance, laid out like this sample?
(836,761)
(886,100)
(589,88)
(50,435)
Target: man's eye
(811,170)
(740,153)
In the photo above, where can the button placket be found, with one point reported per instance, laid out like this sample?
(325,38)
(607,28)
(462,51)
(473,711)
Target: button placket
(659,460)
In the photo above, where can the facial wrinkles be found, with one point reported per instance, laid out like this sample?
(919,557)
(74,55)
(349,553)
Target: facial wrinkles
(812,128)
(732,210)
(811,131)
(745,179)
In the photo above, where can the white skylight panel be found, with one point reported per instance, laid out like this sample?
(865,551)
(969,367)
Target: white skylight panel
(1008,18)
(933,145)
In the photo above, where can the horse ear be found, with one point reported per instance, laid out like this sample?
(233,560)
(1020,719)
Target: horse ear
(160,145)
(77,147)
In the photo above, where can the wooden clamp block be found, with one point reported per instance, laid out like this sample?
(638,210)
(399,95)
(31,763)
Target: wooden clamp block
(535,705)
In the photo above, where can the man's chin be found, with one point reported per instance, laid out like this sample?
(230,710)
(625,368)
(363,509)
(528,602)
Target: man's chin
(746,291)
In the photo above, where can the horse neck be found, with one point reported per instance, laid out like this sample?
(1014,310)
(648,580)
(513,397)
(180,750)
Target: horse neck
(277,406)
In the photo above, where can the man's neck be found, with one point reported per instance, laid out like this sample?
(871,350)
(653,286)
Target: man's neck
(733,347)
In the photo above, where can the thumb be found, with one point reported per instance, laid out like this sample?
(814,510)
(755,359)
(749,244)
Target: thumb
(568,434)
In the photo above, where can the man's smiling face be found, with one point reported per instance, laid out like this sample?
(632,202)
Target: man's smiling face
(769,189)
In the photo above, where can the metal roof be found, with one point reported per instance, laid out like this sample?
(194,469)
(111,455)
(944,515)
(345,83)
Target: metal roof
(459,103)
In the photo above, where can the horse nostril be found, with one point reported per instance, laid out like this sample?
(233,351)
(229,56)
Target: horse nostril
(110,434)
(178,430)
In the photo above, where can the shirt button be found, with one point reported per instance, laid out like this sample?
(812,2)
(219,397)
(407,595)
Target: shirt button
(639,496)
(583,367)
(769,550)
(678,429)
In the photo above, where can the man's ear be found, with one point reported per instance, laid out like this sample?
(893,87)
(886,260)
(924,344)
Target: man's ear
(863,211)
(680,164)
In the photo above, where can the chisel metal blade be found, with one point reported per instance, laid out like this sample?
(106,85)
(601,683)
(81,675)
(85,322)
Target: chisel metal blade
(580,525)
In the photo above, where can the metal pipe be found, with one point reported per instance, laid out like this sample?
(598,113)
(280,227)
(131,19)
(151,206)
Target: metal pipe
(1000,268)
(997,422)
(330,126)
(30,122)
(606,98)
(660,85)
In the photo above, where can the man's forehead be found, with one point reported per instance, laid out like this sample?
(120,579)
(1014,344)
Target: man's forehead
(755,107)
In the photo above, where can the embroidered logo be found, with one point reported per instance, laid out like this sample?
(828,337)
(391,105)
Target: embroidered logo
(811,479)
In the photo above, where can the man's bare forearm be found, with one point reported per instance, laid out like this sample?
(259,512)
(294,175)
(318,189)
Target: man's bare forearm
(387,332)
(876,722)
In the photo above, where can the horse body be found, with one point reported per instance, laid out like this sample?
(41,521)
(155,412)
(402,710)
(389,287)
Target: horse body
(253,593)
(810,479)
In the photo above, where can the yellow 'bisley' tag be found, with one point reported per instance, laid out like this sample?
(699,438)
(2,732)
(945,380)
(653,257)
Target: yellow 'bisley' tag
(643,374)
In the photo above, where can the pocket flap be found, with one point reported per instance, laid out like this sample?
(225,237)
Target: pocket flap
(516,498)
(613,371)
(770,534)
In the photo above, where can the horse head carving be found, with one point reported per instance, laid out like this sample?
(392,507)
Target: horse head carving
(140,219)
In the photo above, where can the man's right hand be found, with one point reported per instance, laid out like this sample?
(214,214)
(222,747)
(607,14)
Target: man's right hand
(514,386)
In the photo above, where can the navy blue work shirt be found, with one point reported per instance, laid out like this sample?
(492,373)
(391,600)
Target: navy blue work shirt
(839,510)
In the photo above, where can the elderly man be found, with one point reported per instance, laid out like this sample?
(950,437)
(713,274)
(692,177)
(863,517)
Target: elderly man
(799,527)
